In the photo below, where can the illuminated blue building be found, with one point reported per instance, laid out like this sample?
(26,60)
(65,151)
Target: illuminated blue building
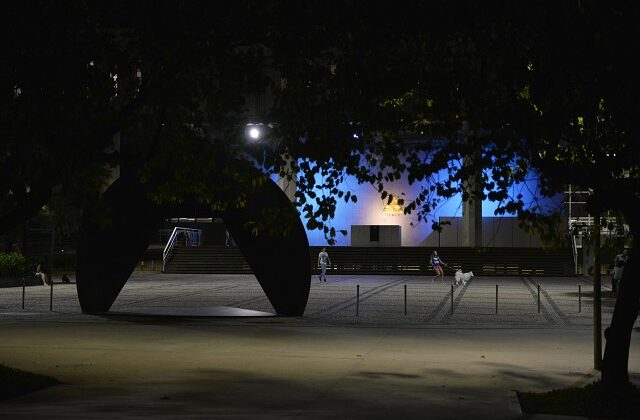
(371,210)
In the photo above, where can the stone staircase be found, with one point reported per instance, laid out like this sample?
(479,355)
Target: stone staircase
(207,260)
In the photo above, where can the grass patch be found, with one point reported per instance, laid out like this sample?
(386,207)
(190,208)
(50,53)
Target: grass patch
(16,382)
(588,401)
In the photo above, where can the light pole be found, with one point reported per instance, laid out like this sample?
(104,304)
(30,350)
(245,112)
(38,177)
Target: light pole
(254,133)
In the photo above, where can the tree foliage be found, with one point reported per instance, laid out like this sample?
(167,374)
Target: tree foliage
(156,90)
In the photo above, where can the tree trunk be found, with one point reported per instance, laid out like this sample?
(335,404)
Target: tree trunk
(615,367)
(597,296)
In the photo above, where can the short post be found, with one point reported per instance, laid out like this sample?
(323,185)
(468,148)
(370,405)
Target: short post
(51,294)
(538,298)
(153,265)
(24,284)
(357,300)
(405,299)
(579,298)
(496,298)
(452,299)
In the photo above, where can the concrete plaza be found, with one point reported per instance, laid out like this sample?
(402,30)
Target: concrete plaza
(429,363)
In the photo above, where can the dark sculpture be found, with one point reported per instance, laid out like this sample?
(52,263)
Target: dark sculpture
(118,228)
(114,234)
(280,260)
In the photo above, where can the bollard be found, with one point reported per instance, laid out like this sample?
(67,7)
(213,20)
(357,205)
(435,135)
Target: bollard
(405,299)
(538,298)
(496,298)
(24,284)
(357,300)
(579,298)
(153,265)
(452,299)
(51,294)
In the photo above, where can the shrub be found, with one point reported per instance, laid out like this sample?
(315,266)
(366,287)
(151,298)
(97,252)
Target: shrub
(13,264)
(592,400)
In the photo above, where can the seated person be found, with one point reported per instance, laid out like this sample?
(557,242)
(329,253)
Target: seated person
(43,272)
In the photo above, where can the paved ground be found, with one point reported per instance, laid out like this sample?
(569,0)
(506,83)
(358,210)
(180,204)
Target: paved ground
(429,363)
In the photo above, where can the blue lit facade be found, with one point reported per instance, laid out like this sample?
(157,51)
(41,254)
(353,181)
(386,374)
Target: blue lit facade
(369,210)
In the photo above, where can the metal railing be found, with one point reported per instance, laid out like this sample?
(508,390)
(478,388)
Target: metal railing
(193,237)
(574,248)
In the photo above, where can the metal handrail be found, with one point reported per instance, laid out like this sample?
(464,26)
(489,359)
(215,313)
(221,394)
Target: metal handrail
(574,247)
(194,238)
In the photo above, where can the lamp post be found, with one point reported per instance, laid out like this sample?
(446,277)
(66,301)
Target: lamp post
(254,133)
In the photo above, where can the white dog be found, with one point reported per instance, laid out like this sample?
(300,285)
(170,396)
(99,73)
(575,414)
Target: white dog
(462,277)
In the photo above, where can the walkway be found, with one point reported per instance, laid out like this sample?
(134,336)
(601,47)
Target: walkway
(329,363)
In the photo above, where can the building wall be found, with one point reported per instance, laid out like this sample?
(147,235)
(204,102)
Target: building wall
(496,232)
(369,210)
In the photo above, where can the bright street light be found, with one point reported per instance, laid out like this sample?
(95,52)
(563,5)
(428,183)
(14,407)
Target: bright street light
(254,133)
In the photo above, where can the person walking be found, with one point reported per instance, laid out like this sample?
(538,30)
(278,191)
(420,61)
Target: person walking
(228,239)
(437,263)
(618,268)
(323,260)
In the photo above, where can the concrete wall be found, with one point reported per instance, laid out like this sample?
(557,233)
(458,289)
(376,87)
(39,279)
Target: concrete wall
(496,232)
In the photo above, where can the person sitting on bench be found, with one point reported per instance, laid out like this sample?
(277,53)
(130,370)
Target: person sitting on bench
(42,271)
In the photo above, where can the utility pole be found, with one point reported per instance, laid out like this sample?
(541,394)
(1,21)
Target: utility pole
(597,298)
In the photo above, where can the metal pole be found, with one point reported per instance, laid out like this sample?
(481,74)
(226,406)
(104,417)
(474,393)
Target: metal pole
(51,294)
(496,298)
(597,298)
(52,249)
(24,284)
(579,298)
(452,299)
(357,300)
(405,299)
(538,298)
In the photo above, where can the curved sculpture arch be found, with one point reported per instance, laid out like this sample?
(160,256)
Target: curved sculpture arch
(117,230)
